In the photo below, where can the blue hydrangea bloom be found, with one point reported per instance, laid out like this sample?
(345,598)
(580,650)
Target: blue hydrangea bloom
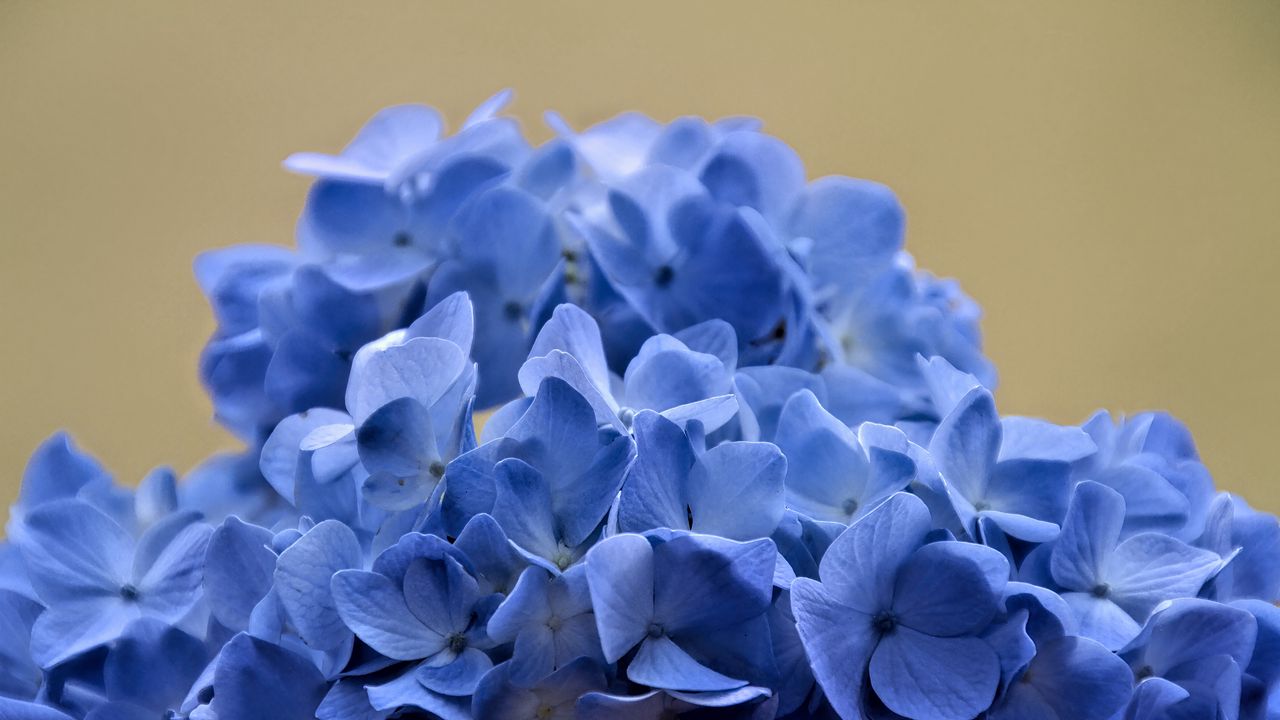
(638,423)
(904,611)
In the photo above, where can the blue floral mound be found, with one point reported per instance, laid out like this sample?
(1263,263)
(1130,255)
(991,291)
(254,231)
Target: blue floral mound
(745,463)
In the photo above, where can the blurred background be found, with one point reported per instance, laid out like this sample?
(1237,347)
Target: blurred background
(1103,177)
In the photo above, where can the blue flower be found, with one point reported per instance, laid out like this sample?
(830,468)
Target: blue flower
(1247,540)
(421,603)
(1189,660)
(691,607)
(734,490)
(1112,585)
(834,474)
(1152,462)
(1024,497)
(95,580)
(549,619)
(397,184)
(667,235)
(504,255)
(1050,672)
(682,381)
(905,612)
(548,479)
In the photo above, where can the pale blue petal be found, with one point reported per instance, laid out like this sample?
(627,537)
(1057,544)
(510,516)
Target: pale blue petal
(945,589)
(620,574)
(1090,532)
(838,641)
(452,319)
(1148,569)
(860,566)
(736,490)
(930,678)
(302,579)
(74,551)
(422,368)
(456,678)
(374,608)
(966,443)
(661,663)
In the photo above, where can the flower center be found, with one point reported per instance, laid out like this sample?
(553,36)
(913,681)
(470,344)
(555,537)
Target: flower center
(402,239)
(663,276)
(885,622)
(457,642)
(850,507)
(436,469)
(1101,590)
(129,592)
(513,311)
(656,630)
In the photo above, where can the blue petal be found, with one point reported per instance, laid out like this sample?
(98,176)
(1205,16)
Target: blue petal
(374,608)
(422,368)
(825,463)
(945,588)
(1034,439)
(709,583)
(170,587)
(456,678)
(523,508)
(65,632)
(1102,620)
(452,319)
(620,574)
(838,640)
(496,564)
(302,580)
(1152,698)
(860,566)
(57,470)
(1089,536)
(153,664)
(387,139)
(441,594)
(573,331)
(966,443)
(1148,569)
(526,605)
(928,678)
(736,490)
(12,709)
(656,491)
(856,227)
(1190,630)
(256,680)
(712,337)
(661,663)
(406,691)
(73,551)
(1074,679)
(280,453)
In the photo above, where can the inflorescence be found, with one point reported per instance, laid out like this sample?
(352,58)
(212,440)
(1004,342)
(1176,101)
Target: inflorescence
(745,462)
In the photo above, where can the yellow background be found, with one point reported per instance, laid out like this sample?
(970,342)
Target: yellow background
(1104,177)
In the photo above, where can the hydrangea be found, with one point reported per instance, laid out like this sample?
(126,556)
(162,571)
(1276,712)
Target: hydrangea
(640,423)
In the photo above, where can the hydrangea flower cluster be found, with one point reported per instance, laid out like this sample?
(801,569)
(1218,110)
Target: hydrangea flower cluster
(744,461)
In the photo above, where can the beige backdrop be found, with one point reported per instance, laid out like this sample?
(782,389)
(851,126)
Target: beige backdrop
(1104,177)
